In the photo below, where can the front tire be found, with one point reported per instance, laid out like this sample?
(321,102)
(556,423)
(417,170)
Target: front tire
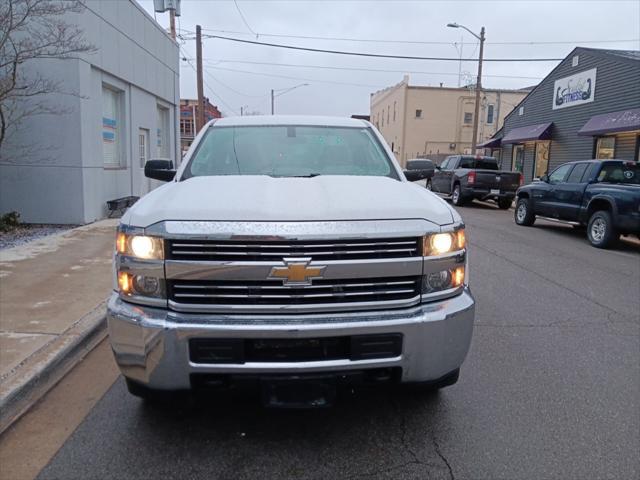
(433,386)
(456,196)
(149,395)
(504,203)
(600,231)
(524,213)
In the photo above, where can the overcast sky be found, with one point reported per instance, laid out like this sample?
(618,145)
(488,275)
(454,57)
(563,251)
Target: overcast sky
(235,80)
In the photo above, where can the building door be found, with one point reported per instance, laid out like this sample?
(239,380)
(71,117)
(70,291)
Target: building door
(141,184)
(517,158)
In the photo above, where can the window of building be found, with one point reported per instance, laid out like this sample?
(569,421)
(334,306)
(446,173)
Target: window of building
(394,111)
(490,108)
(418,113)
(541,159)
(605,148)
(517,158)
(383,118)
(186,127)
(557,176)
(111,127)
(521,111)
(163,132)
(393,146)
(388,108)
(468,117)
(577,173)
(575,60)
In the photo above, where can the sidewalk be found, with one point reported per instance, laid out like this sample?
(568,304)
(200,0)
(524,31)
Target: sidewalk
(52,294)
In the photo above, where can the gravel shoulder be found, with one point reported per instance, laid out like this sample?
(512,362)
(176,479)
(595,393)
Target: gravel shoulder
(29,232)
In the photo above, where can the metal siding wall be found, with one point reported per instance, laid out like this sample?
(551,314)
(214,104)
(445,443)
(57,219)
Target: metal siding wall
(626,146)
(617,88)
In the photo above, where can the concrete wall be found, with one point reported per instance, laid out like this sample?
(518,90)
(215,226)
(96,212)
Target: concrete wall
(62,178)
(441,129)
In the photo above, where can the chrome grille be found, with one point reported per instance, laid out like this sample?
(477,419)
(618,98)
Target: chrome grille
(273,292)
(223,250)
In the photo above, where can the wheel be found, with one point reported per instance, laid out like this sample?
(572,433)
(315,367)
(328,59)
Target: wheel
(524,213)
(600,231)
(435,385)
(429,186)
(504,203)
(456,196)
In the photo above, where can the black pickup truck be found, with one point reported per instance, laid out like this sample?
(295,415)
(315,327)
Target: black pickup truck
(465,177)
(604,195)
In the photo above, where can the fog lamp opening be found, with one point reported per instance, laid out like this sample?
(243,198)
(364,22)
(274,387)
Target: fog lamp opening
(458,277)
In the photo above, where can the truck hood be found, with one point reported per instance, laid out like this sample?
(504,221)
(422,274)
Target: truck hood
(263,198)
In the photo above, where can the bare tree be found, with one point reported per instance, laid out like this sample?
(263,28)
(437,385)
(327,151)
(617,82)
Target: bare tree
(31,30)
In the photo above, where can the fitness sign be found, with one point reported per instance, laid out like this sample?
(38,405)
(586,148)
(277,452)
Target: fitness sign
(574,90)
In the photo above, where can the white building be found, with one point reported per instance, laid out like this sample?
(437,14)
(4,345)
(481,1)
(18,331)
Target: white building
(125,113)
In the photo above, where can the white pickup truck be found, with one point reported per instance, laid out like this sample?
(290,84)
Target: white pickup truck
(292,256)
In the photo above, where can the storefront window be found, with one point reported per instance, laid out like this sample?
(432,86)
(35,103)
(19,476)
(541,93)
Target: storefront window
(517,158)
(605,148)
(541,159)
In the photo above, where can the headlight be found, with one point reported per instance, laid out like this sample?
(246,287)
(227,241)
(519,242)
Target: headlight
(140,246)
(443,280)
(140,285)
(441,243)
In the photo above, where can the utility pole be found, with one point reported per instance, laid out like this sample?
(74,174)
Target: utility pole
(172,23)
(474,139)
(272,102)
(199,81)
(241,111)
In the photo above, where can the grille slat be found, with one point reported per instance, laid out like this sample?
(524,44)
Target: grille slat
(271,292)
(277,250)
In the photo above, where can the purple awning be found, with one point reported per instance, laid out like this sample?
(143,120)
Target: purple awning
(622,121)
(541,131)
(491,143)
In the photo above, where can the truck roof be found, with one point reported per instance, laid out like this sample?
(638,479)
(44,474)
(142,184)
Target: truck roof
(274,120)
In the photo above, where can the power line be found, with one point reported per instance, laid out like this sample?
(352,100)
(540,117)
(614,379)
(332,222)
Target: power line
(246,24)
(379,55)
(416,42)
(233,89)
(327,67)
(297,78)
(186,59)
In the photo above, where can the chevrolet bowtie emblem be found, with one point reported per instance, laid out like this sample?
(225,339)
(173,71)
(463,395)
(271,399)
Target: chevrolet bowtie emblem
(296,272)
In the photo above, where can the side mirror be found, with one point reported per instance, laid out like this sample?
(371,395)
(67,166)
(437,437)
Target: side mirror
(419,169)
(160,170)
(544,178)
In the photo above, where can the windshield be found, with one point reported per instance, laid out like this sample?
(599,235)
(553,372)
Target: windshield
(620,173)
(289,151)
(486,163)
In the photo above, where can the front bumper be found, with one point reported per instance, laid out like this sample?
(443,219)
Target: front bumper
(151,345)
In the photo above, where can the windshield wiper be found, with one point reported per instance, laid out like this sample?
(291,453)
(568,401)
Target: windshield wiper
(310,175)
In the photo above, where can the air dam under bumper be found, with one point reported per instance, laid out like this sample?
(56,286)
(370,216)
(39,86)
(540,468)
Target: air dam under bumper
(151,345)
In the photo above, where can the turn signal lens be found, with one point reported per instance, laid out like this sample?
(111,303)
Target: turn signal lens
(458,277)
(121,243)
(462,240)
(124,282)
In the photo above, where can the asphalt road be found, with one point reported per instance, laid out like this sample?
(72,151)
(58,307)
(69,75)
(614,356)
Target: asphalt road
(550,389)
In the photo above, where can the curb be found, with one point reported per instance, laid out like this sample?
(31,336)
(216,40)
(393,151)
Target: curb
(34,377)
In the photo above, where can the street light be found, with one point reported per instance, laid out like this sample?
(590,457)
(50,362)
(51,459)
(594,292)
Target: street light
(282,91)
(474,138)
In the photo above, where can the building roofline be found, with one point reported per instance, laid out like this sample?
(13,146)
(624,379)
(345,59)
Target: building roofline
(593,51)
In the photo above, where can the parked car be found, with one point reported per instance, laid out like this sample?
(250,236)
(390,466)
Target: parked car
(468,177)
(289,254)
(602,195)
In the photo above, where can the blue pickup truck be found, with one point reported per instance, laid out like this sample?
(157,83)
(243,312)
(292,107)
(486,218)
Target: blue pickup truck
(603,195)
